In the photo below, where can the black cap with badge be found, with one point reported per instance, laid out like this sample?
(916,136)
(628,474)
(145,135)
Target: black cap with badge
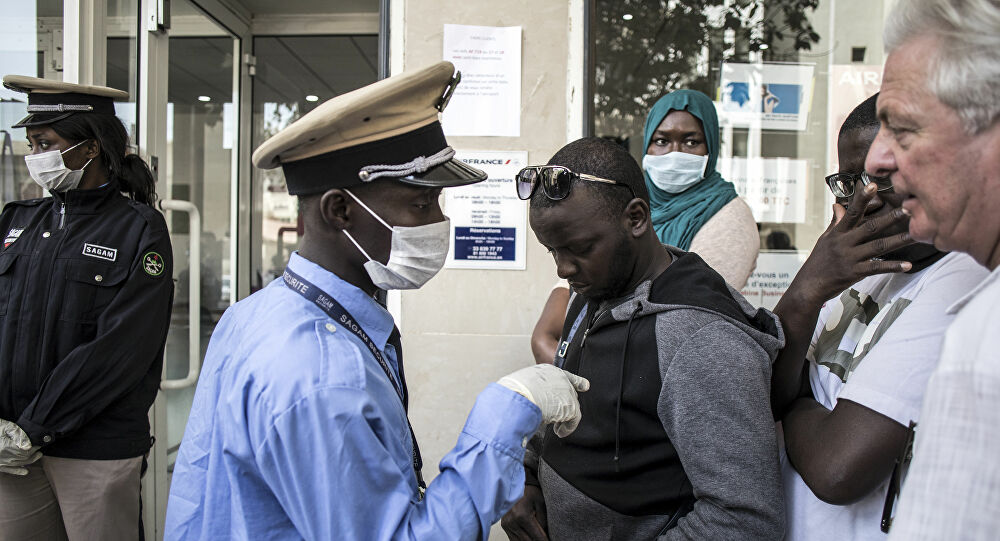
(52,101)
(388,129)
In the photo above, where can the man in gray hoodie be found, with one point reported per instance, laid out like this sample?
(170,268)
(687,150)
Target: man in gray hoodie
(677,439)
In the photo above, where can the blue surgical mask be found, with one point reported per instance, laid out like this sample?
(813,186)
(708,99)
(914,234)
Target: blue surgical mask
(676,171)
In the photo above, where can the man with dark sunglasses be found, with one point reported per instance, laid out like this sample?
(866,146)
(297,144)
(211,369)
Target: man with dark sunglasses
(864,320)
(676,439)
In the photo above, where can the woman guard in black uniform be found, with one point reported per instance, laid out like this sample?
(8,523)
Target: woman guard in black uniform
(85,296)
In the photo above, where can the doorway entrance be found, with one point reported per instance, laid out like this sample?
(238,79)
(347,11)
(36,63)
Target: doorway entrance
(208,81)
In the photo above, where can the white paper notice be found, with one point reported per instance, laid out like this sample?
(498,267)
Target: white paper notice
(775,188)
(772,277)
(488,220)
(488,99)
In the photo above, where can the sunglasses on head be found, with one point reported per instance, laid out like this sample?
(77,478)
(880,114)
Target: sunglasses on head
(842,184)
(555,180)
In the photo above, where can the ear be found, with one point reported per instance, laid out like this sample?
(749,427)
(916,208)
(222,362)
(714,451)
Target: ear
(636,217)
(91,149)
(334,209)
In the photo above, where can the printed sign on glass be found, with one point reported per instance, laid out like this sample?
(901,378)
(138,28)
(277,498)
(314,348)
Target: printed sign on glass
(766,96)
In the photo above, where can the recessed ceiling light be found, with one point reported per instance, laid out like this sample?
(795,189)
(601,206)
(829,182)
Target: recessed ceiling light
(204,98)
(627,16)
(763,46)
(312,97)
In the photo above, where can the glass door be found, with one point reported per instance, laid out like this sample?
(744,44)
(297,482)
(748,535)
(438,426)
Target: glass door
(295,74)
(201,139)
(201,136)
(197,174)
(122,67)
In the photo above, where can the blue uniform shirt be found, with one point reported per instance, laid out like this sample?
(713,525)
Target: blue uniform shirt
(296,432)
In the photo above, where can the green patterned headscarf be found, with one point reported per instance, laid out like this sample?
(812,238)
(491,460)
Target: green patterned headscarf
(678,217)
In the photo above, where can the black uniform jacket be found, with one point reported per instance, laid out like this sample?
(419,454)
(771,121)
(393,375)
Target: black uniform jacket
(86,288)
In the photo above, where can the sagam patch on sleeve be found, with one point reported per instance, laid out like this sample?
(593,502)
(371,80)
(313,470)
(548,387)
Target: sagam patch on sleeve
(152,263)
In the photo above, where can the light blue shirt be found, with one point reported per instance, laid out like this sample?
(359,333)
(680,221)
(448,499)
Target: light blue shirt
(296,432)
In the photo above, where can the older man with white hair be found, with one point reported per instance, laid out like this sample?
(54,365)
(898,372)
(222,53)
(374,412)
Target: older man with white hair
(940,143)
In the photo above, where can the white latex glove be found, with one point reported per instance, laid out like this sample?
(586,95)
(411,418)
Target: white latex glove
(553,390)
(16,450)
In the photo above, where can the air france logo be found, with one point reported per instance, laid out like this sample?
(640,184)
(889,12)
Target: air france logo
(486,161)
(100,252)
(12,235)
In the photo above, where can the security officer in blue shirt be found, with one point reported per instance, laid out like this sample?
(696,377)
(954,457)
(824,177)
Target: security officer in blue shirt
(85,299)
(299,426)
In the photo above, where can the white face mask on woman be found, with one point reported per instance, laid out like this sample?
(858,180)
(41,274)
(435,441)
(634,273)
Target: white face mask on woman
(49,171)
(416,254)
(676,171)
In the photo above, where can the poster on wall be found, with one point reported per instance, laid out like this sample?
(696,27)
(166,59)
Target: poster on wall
(488,221)
(772,276)
(774,188)
(850,84)
(487,102)
(768,96)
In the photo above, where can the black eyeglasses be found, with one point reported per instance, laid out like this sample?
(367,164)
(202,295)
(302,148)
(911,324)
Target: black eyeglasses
(555,180)
(842,184)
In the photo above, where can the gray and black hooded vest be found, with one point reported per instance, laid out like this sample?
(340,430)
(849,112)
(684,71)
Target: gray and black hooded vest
(677,438)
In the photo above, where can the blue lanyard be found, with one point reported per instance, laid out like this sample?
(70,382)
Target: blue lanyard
(340,314)
(564,346)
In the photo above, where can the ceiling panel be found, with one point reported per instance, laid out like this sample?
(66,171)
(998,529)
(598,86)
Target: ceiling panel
(200,67)
(290,68)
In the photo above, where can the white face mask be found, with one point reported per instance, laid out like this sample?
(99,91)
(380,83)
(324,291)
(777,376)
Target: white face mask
(676,171)
(49,171)
(416,254)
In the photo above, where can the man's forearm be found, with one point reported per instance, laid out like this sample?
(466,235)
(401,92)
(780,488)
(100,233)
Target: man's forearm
(798,314)
(843,454)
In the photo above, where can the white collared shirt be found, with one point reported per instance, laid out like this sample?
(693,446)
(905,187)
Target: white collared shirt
(953,487)
(875,344)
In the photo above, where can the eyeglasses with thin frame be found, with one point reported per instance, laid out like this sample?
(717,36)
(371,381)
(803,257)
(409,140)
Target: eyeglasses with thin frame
(555,180)
(842,184)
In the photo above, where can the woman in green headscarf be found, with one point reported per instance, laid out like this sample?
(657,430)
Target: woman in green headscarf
(692,206)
